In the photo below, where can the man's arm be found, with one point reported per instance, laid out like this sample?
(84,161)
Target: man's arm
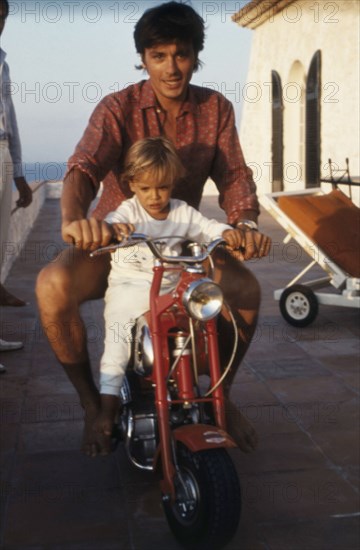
(76,228)
(237,188)
(98,150)
(232,176)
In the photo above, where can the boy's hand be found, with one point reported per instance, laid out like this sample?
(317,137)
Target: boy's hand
(122,230)
(247,243)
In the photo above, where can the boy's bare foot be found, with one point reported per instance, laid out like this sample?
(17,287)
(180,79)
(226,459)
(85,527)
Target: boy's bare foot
(8,299)
(95,442)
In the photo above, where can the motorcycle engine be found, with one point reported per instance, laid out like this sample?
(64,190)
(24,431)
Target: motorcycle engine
(138,423)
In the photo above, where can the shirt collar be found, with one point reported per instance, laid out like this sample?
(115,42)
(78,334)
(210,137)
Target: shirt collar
(148,99)
(147,95)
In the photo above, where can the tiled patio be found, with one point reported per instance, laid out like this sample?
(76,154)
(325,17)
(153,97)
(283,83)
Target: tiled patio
(300,388)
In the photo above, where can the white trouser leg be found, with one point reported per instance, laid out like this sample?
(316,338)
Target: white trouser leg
(124,302)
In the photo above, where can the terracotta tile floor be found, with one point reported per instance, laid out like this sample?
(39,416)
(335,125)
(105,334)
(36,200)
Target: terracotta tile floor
(299,387)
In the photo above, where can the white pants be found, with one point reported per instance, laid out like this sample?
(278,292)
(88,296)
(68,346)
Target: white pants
(6,179)
(125,301)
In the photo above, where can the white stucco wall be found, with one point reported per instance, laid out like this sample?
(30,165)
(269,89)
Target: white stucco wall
(23,219)
(294,35)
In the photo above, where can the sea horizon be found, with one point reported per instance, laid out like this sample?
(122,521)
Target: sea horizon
(44,171)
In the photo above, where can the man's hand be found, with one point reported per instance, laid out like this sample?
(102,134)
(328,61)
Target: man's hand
(247,243)
(25,193)
(87,234)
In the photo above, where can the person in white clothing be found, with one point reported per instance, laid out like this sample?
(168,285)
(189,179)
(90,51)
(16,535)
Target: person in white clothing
(152,168)
(10,169)
(10,158)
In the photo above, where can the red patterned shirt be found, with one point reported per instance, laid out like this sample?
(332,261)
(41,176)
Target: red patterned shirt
(206,141)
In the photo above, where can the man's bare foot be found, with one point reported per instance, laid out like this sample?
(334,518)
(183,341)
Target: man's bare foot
(95,442)
(100,438)
(8,299)
(80,375)
(240,428)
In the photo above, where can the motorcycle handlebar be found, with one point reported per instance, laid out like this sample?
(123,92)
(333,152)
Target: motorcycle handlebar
(137,238)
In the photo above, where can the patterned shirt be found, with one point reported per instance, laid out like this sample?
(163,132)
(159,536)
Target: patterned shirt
(206,141)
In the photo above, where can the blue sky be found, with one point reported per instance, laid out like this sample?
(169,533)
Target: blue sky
(64,56)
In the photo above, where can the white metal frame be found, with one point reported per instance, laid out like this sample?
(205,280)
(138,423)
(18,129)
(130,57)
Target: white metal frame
(348,286)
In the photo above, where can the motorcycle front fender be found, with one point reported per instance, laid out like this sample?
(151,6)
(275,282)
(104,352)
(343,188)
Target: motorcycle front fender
(198,437)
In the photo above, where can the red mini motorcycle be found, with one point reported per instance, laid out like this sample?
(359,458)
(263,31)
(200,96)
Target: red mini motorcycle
(173,416)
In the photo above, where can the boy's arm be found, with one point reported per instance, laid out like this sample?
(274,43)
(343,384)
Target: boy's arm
(119,221)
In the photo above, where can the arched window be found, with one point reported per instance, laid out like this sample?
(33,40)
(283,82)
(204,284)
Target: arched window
(277,145)
(313,122)
(294,127)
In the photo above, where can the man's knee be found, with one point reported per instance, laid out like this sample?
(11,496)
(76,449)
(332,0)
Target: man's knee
(53,285)
(73,278)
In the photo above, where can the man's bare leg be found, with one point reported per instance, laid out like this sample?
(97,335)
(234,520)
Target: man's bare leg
(242,293)
(61,287)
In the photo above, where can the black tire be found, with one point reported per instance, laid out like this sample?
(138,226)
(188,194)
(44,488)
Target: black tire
(211,520)
(298,305)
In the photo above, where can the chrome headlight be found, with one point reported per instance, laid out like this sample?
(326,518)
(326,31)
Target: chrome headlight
(203,299)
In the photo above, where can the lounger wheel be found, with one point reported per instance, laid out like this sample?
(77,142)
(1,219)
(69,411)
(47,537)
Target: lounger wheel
(298,305)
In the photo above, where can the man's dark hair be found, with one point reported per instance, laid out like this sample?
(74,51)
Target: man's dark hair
(5,3)
(170,22)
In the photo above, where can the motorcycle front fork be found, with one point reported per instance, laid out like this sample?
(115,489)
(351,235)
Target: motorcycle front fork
(185,378)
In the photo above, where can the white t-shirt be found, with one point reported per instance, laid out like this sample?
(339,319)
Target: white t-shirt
(183,223)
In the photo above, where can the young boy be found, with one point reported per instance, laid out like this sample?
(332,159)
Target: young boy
(152,168)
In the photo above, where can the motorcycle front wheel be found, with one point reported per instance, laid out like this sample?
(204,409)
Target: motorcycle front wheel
(206,510)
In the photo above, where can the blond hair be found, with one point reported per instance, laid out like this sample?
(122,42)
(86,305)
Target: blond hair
(156,155)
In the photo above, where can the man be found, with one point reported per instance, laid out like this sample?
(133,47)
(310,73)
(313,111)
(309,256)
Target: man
(200,123)
(10,168)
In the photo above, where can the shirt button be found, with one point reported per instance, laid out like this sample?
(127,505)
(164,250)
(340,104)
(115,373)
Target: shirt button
(158,111)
